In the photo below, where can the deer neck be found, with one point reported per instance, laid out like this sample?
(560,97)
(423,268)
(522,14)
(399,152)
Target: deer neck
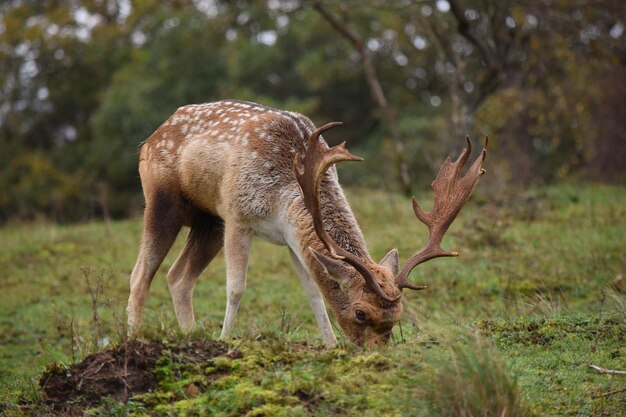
(340,223)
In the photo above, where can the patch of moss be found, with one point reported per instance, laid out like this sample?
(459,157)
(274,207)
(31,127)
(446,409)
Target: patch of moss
(544,331)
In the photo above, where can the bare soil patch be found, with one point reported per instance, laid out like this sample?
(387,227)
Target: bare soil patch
(119,373)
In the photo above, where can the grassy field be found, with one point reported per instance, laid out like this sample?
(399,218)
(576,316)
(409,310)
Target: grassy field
(507,329)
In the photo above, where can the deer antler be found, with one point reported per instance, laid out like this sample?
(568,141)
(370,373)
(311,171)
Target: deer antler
(316,161)
(451,193)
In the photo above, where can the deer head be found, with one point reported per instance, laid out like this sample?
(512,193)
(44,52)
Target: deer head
(373,291)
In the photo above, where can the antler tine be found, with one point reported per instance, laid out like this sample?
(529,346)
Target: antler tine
(316,161)
(451,193)
(309,174)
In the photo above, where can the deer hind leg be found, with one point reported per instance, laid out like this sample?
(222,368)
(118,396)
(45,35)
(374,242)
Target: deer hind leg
(205,240)
(317,303)
(162,221)
(236,249)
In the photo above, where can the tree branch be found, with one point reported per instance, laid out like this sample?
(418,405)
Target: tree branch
(359,45)
(607,371)
(494,75)
(464,29)
(376,90)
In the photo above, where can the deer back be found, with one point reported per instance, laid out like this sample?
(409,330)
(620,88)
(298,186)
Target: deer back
(235,159)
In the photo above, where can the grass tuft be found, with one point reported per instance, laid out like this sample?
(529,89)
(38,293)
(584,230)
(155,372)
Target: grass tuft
(473,381)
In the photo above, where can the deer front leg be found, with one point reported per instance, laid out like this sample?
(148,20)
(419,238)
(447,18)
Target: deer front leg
(236,249)
(317,303)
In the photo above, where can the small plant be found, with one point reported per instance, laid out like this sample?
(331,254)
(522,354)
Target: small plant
(96,288)
(66,328)
(545,305)
(619,300)
(474,382)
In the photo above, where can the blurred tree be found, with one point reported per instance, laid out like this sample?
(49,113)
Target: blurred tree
(550,91)
(38,188)
(376,90)
(83,82)
(56,58)
(180,63)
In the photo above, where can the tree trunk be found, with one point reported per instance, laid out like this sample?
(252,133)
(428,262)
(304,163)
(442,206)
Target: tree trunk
(402,168)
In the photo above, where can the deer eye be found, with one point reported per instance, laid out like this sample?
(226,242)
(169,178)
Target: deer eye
(360,315)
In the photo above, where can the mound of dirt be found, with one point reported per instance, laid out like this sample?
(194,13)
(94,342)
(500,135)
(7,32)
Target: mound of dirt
(118,373)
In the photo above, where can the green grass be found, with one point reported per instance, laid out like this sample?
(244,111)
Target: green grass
(513,322)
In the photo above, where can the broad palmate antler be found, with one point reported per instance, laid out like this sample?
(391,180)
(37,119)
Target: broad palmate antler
(451,193)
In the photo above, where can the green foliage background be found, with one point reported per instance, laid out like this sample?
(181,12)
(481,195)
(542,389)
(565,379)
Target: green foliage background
(83,82)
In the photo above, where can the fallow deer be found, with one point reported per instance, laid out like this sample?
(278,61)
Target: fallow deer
(231,170)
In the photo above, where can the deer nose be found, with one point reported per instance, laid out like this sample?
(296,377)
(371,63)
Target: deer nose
(375,338)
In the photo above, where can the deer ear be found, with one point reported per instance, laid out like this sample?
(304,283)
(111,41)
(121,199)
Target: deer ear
(335,268)
(391,261)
